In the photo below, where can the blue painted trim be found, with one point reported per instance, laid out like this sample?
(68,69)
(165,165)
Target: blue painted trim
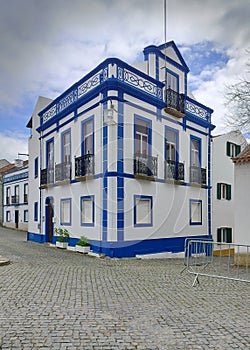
(68,131)
(91,118)
(18,177)
(190,212)
(149,123)
(36,167)
(120,169)
(146,198)
(209,199)
(51,140)
(35,211)
(105,179)
(70,211)
(92,199)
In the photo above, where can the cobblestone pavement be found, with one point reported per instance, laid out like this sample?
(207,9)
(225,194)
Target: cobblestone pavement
(55,299)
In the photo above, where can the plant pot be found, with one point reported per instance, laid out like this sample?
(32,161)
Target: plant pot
(81,249)
(62,245)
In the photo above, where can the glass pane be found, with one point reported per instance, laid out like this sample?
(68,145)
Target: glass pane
(87,211)
(143,211)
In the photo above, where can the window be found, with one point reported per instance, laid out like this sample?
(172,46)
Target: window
(141,138)
(50,154)
(7,195)
(36,211)
(224,235)
(25,193)
(195,152)
(87,211)
(223,191)
(36,167)
(7,216)
(232,149)
(25,216)
(195,212)
(88,137)
(66,211)
(143,215)
(172,81)
(66,147)
(16,194)
(171,145)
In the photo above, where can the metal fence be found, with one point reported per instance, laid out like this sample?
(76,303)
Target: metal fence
(216,259)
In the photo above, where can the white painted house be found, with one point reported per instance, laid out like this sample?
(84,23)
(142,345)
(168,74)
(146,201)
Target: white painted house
(124,158)
(15,197)
(224,147)
(242,195)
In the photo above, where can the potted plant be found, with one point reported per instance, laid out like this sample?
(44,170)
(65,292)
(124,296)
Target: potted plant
(83,246)
(62,239)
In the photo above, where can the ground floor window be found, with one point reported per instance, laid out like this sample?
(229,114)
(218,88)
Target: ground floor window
(36,211)
(143,215)
(65,212)
(7,216)
(224,235)
(195,212)
(87,211)
(25,216)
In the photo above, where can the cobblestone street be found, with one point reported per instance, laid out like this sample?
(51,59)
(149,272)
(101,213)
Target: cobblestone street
(55,299)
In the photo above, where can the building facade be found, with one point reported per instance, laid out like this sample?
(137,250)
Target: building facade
(123,157)
(224,148)
(15,198)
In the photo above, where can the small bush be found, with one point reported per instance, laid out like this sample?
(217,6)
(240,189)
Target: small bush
(63,234)
(83,242)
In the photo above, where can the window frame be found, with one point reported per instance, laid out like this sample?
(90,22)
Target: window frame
(35,211)
(50,163)
(36,167)
(84,136)
(170,73)
(224,191)
(191,222)
(8,216)
(232,149)
(198,140)
(143,198)
(62,222)
(224,232)
(90,198)
(148,122)
(25,215)
(176,132)
(63,154)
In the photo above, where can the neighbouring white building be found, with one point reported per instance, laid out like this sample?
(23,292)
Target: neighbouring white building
(123,157)
(242,196)
(224,147)
(15,197)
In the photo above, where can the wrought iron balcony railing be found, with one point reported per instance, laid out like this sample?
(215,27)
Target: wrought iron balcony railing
(84,165)
(174,170)
(145,165)
(7,201)
(25,198)
(198,175)
(47,176)
(175,102)
(15,199)
(63,171)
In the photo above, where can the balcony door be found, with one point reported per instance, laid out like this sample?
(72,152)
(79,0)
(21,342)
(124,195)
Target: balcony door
(66,147)
(141,138)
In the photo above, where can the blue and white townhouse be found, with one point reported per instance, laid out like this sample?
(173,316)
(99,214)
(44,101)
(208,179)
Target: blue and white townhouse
(15,197)
(123,157)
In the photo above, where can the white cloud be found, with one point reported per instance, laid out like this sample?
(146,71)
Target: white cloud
(11,144)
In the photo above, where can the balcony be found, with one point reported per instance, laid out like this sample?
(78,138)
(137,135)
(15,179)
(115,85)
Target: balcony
(174,171)
(25,198)
(47,177)
(175,103)
(84,166)
(63,172)
(198,175)
(145,166)
(15,199)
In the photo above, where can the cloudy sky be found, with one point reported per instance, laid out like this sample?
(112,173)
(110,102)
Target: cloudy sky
(47,45)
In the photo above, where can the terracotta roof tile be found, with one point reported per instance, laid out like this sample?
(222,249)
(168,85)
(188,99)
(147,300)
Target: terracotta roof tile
(243,157)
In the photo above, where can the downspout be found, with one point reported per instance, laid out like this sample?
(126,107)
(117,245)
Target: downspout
(40,190)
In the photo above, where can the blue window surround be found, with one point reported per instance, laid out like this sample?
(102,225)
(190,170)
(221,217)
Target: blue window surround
(82,136)
(190,211)
(16,190)
(192,137)
(169,71)
(62,148)
(92,199)
(8,216)
(70,211)
(143,197)
(47,151)
(36,211)
(25,216)
(168,128)
(149,122)
(36,167)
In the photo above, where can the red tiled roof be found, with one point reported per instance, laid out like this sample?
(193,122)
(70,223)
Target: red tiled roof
(7,168)
(243,157)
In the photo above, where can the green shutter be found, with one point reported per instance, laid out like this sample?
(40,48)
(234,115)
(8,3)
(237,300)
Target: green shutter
(218,234)
(228,192)
(237,149)
(229,235)
(228,149)
(218,191)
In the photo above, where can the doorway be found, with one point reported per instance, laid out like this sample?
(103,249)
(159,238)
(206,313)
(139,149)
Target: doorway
(49,214)
(16,218)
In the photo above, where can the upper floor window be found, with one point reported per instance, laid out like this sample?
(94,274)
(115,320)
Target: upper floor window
(223,191)
(88,137)
(8,195)
(232,149)
(141,137)
(171,145)
(25,193)
(66,147)
(36,167)
(50,154)
(172,81)
(195,152)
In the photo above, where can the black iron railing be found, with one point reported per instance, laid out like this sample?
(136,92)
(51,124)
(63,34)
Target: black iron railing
(198,175)
(174,170)
(14,199)
(25,198)
(63,171)
(7,200)
(47,176)
(84,165)
(145,165)
(175,100)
